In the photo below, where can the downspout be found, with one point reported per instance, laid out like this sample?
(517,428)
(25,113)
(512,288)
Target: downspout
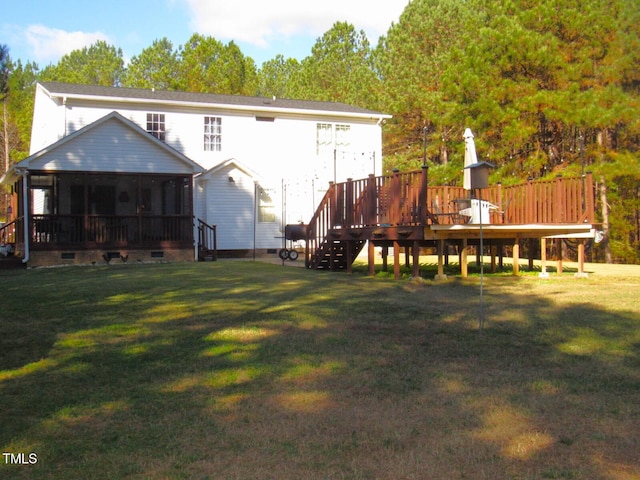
(23,172)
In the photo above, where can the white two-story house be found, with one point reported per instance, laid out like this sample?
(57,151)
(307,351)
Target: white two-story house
(131,174)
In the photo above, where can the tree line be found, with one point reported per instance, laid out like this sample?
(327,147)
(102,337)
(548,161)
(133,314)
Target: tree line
(549,87)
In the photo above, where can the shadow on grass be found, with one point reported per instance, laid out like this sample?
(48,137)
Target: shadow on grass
(243,370)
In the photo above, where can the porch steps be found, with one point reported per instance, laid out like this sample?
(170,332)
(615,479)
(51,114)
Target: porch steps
(207,255)
(326,259)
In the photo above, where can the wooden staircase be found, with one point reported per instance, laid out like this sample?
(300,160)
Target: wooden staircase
(351,213)
(333,254)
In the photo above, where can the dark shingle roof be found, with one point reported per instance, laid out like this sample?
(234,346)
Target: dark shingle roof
(262,103)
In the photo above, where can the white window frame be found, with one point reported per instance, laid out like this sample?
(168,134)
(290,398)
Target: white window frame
(156,125)
(330,137)
(212,127)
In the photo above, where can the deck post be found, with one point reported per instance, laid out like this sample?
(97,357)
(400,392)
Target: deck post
(396,260)
(385,254)
(581,273)
(371,212)
(559,249)
(441,275)
(349,254)
(416,258)
(348,209)
(371,258)
(422,196)
(543,258)
(464,268)
(531,253)
(516,257)
(493,250)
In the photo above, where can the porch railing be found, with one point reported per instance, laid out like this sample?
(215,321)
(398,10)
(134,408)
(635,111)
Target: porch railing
(8,232)
(91,231)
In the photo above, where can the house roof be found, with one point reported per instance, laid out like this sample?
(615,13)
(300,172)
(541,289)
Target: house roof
(25,164)
(234,102)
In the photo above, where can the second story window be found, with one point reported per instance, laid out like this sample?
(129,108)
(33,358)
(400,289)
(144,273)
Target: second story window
(212,134)
(155,125)
(329,138)
(324,139)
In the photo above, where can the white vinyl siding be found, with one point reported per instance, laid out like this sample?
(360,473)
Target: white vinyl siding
(111,147)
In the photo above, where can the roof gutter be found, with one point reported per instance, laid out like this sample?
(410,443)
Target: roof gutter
(268,108)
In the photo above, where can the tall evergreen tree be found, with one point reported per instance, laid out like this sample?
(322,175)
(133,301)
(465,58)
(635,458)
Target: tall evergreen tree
(4,71)
(98,64)
(340,68)
(276,76)
(155,67)
(207,65)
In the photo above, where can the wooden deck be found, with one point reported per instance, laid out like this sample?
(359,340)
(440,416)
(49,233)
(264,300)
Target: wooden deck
(402,211)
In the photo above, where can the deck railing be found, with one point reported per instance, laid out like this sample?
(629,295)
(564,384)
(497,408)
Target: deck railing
(404,199)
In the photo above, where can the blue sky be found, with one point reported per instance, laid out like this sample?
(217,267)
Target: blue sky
(44,30)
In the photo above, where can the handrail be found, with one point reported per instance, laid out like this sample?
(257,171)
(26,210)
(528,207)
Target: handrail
(8,233)
(208,239)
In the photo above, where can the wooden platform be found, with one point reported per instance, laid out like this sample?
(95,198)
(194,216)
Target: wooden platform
(402,211)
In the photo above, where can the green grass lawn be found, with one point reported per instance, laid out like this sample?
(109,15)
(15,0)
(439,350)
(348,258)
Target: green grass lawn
(244,370)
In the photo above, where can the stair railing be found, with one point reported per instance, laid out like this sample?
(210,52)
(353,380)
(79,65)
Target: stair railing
(207,239)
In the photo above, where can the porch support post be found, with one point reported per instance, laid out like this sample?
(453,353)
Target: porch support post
(516,257)
(396,260)
(371,258)
(416,258)
(543,258)
(464,268)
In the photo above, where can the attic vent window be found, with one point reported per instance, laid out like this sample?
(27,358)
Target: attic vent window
(265,119)
(156,125)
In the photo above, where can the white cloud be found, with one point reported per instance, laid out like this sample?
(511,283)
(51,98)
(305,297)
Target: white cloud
(258,23)
(49,44)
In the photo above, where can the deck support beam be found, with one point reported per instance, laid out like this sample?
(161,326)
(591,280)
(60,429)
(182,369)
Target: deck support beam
(464,267)
(396,260)
(516,257)
(441,275)
(416,258)
(559,268)
(581,273)
(543,259)
(493,250)
(371,257)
